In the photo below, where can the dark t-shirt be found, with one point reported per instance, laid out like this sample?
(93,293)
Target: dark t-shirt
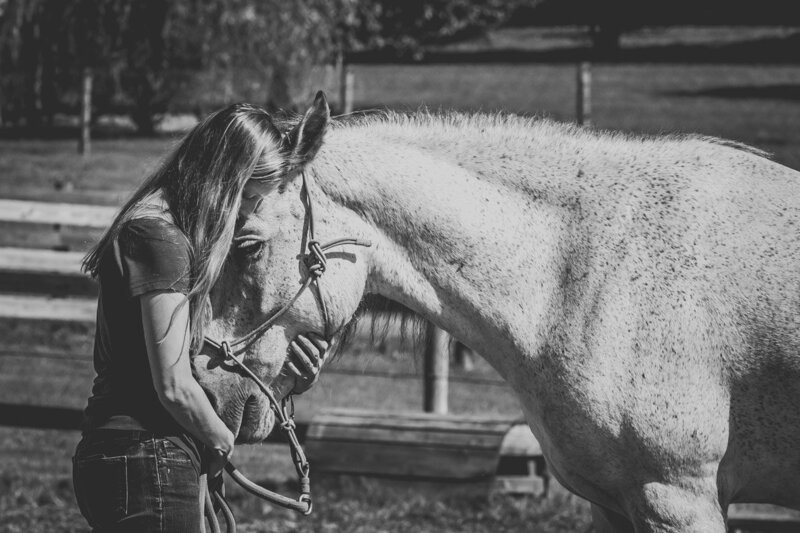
(149,254)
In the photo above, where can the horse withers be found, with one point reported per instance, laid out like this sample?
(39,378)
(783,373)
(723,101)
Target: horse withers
(641,295)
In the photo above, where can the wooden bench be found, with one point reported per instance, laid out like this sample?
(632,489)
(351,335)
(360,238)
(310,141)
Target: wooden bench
(421,448)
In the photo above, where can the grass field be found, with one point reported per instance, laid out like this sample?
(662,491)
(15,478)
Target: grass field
(758,105)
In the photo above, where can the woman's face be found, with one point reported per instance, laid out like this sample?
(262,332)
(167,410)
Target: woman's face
(252,196)
(263,272)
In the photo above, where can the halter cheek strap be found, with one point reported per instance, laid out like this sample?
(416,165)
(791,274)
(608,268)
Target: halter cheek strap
(316,263)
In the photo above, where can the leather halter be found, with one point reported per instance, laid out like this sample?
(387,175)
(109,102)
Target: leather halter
(316,263)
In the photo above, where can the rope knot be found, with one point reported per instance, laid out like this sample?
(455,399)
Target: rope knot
(315,259)
(288,425)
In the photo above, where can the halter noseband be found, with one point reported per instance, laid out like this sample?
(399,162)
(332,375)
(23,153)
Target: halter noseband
(316,263)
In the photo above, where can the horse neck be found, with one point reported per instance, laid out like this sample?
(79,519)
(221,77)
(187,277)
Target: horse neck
(456,244)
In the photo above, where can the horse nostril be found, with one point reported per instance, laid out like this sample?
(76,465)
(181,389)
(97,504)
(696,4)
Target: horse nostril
(251,402)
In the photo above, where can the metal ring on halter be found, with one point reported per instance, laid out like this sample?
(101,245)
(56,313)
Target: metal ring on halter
(228,355)
(306,498)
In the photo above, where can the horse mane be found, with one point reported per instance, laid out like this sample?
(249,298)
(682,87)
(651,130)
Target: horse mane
(736,145)
(522,126)
(384,316)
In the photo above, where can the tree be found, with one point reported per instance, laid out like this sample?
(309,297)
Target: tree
(89,41)
(270,39)
(24,47)
(406,27)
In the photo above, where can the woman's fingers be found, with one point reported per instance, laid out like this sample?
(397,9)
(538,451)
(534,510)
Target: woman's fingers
(306,356)
(309,347)
(301,356)
(304,381)
(321,344)
(293,369)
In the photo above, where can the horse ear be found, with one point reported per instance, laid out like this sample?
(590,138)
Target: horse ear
(304,141)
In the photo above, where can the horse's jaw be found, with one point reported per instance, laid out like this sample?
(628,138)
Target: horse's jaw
(257,421)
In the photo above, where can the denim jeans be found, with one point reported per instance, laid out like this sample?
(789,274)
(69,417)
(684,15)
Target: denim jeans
(132,481)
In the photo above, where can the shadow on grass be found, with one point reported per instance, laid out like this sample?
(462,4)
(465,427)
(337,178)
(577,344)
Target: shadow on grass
(788,92)
(772,50)
(361,505)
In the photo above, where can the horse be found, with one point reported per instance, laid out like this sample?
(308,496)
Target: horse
(639,294)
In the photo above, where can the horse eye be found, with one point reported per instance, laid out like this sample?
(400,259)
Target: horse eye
(250,249)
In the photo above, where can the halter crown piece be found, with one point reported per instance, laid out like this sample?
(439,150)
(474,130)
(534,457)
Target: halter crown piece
(315,262)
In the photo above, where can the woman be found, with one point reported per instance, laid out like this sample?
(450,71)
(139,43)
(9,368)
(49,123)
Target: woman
(148,423)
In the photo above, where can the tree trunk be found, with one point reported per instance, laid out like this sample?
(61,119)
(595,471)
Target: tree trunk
(84,142)
(33,110)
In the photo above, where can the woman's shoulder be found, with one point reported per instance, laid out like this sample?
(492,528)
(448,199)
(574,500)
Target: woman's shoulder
(154,241)
(152,227)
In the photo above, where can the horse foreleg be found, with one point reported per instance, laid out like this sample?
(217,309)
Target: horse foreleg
(605,521)
(662,508)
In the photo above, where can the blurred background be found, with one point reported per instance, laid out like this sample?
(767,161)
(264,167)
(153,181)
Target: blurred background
(94,92)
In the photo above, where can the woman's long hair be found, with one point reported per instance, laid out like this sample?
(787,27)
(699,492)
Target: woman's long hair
(202,182)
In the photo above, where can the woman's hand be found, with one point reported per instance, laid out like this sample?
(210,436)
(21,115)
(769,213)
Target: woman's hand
(306,356)
(216,460)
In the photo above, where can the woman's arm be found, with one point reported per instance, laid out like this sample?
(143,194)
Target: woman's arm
(168,352)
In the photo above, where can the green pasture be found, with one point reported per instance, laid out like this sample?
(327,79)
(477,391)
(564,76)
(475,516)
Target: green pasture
(758,105)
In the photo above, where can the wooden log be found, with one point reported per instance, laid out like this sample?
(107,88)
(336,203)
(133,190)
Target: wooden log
(48,417)
(11,189)
(55,213)
(762,517)
(40,261)
(55,273)
(47,308)
(49,237)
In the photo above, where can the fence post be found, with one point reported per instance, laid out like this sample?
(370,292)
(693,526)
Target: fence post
(583,102)
(462,357)
(346,82)
(84,142)
(437,362)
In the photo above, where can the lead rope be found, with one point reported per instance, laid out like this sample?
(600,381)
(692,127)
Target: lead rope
(316,263)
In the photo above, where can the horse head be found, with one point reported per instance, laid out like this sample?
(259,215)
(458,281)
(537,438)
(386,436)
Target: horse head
(269,262)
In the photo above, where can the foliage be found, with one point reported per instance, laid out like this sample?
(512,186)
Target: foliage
(281,39)
(46,44)
(407,26)
(142,53)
